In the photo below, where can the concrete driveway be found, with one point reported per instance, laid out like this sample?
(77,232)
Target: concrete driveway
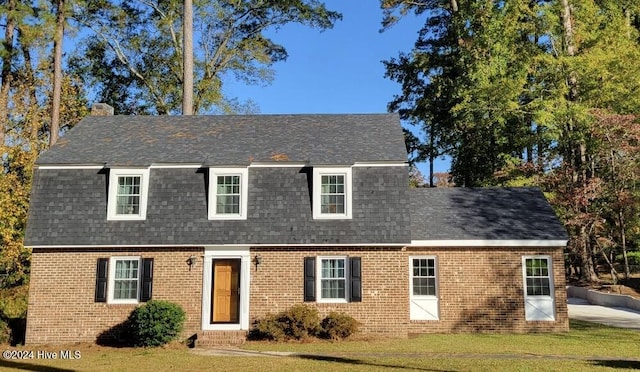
(612,316)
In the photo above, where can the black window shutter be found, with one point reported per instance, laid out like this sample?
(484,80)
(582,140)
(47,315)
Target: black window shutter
(355,279)
(147,279)
(309,278)
(102,271)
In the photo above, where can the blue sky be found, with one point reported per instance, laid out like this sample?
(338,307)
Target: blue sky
(339,70)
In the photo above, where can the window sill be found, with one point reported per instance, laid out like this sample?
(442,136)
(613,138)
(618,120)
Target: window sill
(227,217)
(123,302)
(332,217)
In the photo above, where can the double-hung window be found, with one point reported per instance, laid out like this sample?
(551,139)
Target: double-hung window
(423,288)
(336,279)
(228,193)
(539,301)
(333,279)
(128,192)
(537,276)
(124,280)
(332,193)
(125,276)
(424,276)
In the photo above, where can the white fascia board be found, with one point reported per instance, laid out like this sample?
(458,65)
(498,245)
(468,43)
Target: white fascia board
(217,245)
(488,243)
(70,166)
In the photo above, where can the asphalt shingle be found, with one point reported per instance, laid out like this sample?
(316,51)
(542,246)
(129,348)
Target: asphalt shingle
(483,214)
(230,140)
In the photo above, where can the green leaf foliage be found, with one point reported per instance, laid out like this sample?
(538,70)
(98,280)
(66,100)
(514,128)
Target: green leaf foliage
(530,93)
(156,323)
(133,57)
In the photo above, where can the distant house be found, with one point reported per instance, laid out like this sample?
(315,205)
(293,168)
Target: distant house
(234,217)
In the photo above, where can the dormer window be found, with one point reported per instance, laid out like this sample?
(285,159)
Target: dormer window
(228,193)
(128,189)
(332,193)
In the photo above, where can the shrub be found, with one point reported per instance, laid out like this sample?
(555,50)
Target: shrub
(301,321)
(634,260)
(14,301)
(268,328)
(338,326)
(5,332)
(156,323)
(13,313)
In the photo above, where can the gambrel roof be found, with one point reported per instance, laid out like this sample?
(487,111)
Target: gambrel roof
(230,140)
(280,152)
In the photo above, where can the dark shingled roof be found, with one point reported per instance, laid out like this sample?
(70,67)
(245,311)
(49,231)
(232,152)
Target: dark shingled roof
(230,140)
(483,214)
(69,207)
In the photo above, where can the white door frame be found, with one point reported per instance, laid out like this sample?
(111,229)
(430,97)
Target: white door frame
(214,253)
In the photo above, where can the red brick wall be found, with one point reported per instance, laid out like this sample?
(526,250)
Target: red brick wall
(62,292)
(481,289)
(277,284)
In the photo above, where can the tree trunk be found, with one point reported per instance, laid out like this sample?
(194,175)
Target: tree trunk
(454,5)
(588,269)
(623,243)
(187,57)
(57,74)
(32,113)
(7,64)
(431,156)
(576,151)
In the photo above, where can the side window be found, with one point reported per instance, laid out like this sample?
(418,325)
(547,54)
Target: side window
(539,301)
(538,280)
(423,276)
(228,192)
(423,288)
(128,193)
(333,278)
(332,193)
(124,279)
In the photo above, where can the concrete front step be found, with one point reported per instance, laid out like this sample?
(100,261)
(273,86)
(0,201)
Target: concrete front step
(220,338)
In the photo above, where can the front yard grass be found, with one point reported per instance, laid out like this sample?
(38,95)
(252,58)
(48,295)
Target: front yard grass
(587,346)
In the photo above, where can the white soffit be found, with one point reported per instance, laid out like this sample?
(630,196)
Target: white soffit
(488,243)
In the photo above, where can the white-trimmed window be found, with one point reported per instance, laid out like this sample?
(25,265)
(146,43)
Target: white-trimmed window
(423,288)
(128,192)
(332,283)
(228,193)
(332,193)
(124,279)
(539,300)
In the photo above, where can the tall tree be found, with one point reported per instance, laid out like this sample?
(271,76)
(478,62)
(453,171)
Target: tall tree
(9,9)
(516,102)
(187,36)
(136,47)
(57,72)
(467,90)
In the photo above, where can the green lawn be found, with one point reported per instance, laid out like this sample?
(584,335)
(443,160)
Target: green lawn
(586,347)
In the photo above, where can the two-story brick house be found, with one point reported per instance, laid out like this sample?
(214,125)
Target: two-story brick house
(233,217)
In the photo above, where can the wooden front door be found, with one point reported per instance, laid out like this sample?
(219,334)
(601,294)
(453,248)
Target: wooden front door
(225,306)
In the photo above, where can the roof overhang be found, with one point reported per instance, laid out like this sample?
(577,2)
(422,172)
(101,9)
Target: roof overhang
(89,246)
(488,243)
